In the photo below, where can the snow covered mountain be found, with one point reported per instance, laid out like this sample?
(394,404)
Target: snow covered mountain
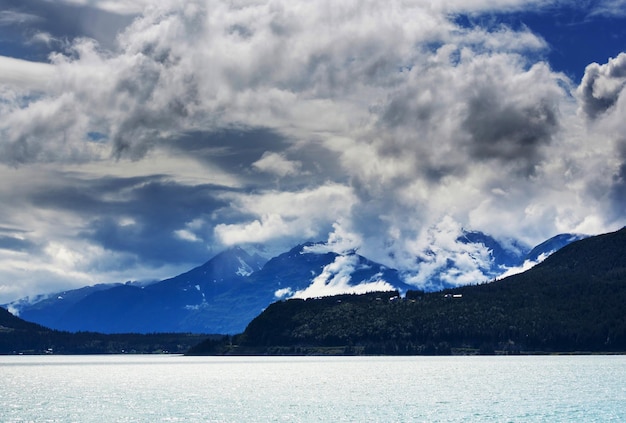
(463,257)
(221,296)
(312,270)
(474,257)
(227,292)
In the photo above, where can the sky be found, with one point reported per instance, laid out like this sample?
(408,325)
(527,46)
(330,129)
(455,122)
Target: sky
(139,138)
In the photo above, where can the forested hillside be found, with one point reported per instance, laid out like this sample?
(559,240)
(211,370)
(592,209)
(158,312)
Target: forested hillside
(20,337)
(573,301)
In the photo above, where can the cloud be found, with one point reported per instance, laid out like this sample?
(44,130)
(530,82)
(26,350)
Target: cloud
(286,215)
(12,17)
(508,124)
(158,82)
(618,188)
(441,256)
(64,19)
(124,7)
(277,164)
(15,240)
(335,279)
(601,86)
(161,132)
(340,241)
(24,74)
(603,104)
(487,106)
(610,8)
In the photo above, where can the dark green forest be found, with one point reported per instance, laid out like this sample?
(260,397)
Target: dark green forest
(20,337)
(575,301)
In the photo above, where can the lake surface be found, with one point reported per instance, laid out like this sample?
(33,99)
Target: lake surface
(162,388)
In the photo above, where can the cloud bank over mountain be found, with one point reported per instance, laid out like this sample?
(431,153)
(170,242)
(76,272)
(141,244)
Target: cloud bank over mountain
(143,136)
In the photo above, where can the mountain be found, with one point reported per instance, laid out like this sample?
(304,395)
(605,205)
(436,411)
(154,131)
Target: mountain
(47,309)
(227,292)
(197,301)
(573,301)
(221,296)
(472,257)
(311,270)
(11,323)
(478,258)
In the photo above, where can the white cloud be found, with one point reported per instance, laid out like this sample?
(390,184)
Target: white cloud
(116,6)
(297,215)
(277,164)
(187,235)
(441,253)
(25,75)
(610,8)
(335,279)
(340,241)
(284,292)
(266,228)
(12,17)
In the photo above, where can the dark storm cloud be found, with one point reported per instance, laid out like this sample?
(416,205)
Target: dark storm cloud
(12,239)
(601,86)
(618,189)
(232,149)
(403,109)
(509,132)
(317,162)
(492,109)
(148,120)
(12,242)
(88,196)
(140,216)
(146,242)
(236,150)
(15,244)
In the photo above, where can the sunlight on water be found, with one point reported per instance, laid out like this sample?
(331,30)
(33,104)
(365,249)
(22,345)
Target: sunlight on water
(312,389)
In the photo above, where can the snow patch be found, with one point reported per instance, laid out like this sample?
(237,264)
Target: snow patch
(196,307)
(528,264)
(244,268)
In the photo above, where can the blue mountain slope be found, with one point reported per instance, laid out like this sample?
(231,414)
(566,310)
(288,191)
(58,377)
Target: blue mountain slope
(46,309)
(195,301)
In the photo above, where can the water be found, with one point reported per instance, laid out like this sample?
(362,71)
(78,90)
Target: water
(312,389)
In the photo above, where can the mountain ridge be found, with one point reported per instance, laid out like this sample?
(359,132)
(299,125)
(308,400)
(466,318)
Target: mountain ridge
(220,296)
(225,293)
